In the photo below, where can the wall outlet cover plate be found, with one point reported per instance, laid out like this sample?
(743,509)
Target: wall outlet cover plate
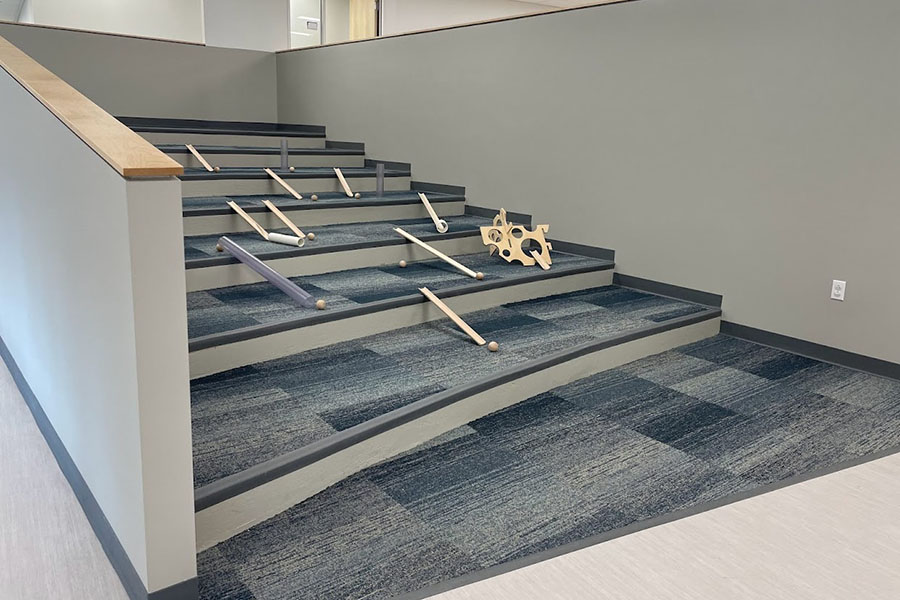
(838,289)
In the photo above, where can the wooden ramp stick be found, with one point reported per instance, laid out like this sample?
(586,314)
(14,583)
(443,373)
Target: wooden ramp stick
(340,176)
(440,254)
(453,316)
(199,157)
(540,260)
(278,238)
(439,224)
(283,183)
(284,219)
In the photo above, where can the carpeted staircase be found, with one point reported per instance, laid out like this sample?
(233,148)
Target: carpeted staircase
(370,450)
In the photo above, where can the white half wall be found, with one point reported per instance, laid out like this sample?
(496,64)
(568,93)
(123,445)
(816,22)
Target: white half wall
(92,309)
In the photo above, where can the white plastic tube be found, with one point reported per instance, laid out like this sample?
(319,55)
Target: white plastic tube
(289,240)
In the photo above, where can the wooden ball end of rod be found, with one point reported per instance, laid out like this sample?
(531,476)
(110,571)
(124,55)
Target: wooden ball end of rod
(320,304)
(310,236)
(291,169)
(314,197)
(402,264)
(219,248)
(216,169)
(493,346)
(357,195)
(479,275)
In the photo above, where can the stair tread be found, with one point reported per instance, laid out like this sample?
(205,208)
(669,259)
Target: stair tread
(258,412)
(208,205)
(200,250)
(695,427)
(208,149)
(221,310)
(199,173)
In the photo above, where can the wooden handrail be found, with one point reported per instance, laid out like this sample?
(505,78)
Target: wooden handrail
(124,150)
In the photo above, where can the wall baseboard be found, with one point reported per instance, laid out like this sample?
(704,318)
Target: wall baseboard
(128,575)
(667,289)
(843,358)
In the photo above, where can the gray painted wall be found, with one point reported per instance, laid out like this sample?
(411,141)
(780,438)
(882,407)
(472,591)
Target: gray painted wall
(744,148)
(148,78)
(92,310)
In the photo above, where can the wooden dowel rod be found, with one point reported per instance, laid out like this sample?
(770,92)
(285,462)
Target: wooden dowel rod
(340,176)
(439,254)
(439,224)
(540,260)
(249,219)
(283,183)
(284,219)
(453,316)
(199,157)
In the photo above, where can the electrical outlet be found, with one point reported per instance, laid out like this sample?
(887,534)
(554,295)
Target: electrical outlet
(838,289)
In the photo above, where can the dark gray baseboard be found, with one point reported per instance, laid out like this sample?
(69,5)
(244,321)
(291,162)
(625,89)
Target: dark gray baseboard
(442,188)
(667,289)
(828,354)
(345,145)
(128,575)
(583,249)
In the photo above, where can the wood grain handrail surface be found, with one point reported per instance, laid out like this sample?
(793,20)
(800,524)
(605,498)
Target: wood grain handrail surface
(125,151)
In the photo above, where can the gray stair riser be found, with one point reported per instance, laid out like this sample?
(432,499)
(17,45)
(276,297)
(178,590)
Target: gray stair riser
(229,139)
(269,160)
(222,358)
(234,515)
(314,264)
(306,187)
(306,220)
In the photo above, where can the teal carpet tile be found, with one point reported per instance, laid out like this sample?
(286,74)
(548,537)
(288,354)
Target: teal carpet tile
(674,431)
(226,309)
(204,246)
(255,413)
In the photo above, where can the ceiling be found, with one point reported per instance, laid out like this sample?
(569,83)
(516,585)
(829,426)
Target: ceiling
(560,3)
(9,9)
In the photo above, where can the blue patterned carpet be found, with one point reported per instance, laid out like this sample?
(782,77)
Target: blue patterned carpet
(227,309)
(371,233)
(251,414)
(665,433)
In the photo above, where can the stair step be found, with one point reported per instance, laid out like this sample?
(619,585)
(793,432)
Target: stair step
(226,133)
(643,444)
(259,156)
(336,247)
(271,434)
(240,325)
(306,180)
(210,215)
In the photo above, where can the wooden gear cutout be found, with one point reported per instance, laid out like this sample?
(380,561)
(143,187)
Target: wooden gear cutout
(507,239)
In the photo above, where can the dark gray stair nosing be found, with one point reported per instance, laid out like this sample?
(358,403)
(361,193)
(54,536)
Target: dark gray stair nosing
(388,164)
(427,186)
(337,144)
(214,261)
(166,125)
(261,150)
(349,203)
(243,481)
(256,331)
(259,173)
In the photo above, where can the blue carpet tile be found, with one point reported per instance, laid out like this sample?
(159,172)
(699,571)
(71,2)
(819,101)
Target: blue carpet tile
(204,246)
(286,202)
(251,414)
(227,309)
(669,432)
